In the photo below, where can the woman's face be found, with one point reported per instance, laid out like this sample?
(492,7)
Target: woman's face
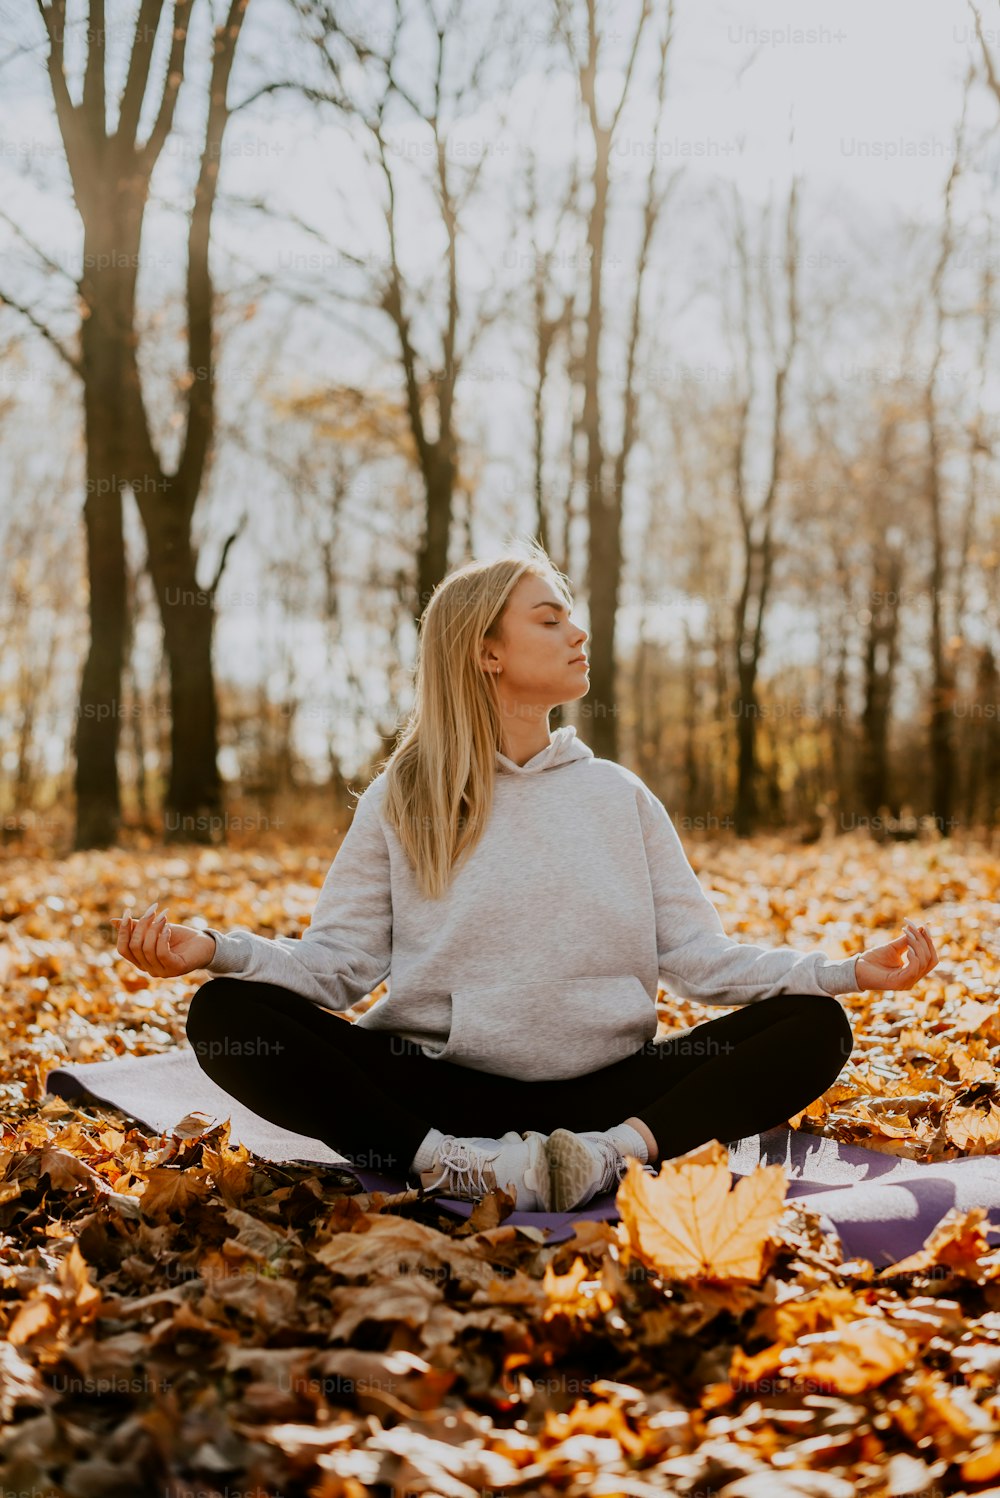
(541,648)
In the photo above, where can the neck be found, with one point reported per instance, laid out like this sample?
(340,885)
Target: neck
(521,741)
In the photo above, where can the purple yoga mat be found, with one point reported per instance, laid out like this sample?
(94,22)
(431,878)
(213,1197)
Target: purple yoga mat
(883,1208)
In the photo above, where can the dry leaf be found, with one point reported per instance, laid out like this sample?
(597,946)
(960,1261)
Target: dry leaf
(686,1223)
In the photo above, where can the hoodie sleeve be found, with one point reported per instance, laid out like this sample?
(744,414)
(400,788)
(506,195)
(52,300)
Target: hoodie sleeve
(345,951)
(696,957)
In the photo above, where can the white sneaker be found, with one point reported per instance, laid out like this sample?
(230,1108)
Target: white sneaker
(467,1169)
(582,1166)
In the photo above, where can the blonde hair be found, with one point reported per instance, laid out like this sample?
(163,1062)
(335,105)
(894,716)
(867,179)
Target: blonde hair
(439,778)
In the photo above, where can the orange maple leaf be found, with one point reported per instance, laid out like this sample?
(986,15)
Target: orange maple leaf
(686,1223)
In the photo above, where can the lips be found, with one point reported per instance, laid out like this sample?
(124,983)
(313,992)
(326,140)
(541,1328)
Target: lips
(578,658)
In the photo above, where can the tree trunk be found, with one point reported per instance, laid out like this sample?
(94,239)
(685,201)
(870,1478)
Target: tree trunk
(110,175)
(983,780)
(432,558)
(95,743)
(193,803)
(880,664)
(745,707)
(111,253)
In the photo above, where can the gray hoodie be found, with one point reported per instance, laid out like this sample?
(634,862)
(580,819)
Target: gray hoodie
(544,957)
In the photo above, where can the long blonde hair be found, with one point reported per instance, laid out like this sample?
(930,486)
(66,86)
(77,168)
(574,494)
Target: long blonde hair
(439,778)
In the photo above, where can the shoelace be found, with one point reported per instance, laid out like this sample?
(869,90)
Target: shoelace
(460,1164)
(614,1164)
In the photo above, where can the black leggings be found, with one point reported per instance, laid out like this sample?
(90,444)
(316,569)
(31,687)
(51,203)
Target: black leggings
(372,1096)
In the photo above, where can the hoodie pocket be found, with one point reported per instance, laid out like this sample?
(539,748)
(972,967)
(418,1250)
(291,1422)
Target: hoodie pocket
(544,1031)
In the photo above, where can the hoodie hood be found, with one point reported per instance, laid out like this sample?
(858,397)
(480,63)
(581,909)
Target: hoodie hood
(562,749)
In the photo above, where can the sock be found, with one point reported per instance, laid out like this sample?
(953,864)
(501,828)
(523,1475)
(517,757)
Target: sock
(427,1149)
(629,1141)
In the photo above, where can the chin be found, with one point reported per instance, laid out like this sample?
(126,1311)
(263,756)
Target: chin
(582,688)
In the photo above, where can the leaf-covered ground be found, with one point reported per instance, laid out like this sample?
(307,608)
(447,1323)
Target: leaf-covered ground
(181,1318)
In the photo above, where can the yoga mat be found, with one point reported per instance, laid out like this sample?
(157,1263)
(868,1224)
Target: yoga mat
(882,1207)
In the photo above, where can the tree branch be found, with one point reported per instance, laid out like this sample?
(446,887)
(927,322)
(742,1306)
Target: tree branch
(991,75)
(171,86)
(201,389)
(134,92)
(654,204)
(314,95)
(36,249)
(630,69)
(94,99)
(227,545)
(79,151)
(46,332)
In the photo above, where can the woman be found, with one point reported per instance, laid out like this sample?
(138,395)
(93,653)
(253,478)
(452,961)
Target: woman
(527,897)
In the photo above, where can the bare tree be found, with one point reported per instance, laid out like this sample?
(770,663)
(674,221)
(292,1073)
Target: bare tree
(365,83)
(881,642)
(942,651)
(548,328)
(865,533)
(983,761)
(110,172)
(606,471)
(757,527)
(39,609)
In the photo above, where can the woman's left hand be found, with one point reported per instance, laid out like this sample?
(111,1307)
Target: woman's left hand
(899,963)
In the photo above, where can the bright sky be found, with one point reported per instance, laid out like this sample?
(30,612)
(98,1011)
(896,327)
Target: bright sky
(873,92)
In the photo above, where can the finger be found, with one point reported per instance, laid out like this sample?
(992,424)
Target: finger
(139,929)
(148,915)
(903,976)
(150,938)
(926,949)
(916,951)
(124,932)
(932,950)
(921,958)
(919,946)
(137,938)
(163,953)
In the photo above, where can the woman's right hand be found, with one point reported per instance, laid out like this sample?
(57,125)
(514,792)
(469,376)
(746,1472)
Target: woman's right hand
(163,950)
